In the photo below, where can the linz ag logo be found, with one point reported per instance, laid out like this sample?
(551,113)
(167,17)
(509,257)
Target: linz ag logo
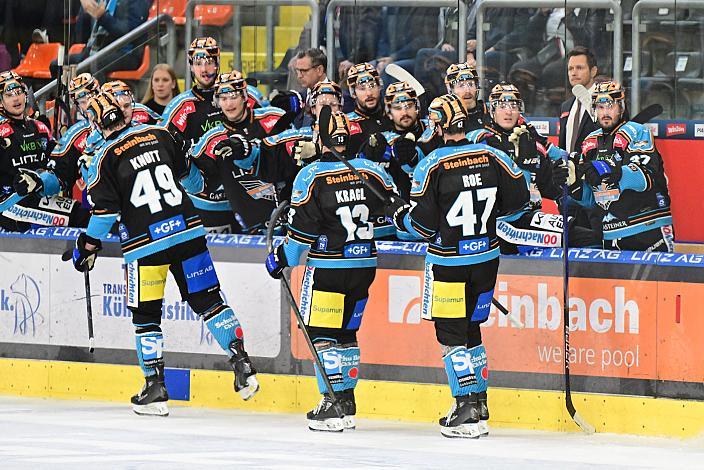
(675,129)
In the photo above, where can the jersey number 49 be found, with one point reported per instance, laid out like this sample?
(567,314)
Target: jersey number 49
(145,192)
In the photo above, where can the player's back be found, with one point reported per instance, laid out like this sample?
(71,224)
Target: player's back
(334,204)
(459,191)
(137,174)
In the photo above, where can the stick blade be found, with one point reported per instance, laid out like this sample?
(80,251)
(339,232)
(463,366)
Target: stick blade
(91,345)
(648,114)
(583,423)
(402,75)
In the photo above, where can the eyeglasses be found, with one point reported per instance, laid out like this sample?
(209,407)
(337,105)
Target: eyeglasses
(508,105)
(303,71)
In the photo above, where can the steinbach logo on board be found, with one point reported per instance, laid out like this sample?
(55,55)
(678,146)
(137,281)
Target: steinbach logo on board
(612,325)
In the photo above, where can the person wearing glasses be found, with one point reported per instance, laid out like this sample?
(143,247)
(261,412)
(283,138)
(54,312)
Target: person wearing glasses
(509,131)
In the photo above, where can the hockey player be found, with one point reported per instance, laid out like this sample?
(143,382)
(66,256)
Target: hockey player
(279,157)
(368,117)
(65,158)
(137,180)
(133,111)
(228,187)
(625,177)
(329,215)
(457,193)
(400,148)
(462,80)
(192,113)
(510,132)
(25,145)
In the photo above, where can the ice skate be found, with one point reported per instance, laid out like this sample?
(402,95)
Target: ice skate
(246,383)
(463,418)
(324,417)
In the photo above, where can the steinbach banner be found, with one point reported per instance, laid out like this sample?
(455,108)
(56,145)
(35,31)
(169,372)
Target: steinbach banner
(619,328)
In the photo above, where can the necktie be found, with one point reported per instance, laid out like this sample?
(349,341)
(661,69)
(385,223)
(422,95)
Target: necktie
(575,126)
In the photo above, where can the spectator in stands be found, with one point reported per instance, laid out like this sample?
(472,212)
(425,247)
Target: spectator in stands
(163,86)
(406,30)
(549,33)
(101,22)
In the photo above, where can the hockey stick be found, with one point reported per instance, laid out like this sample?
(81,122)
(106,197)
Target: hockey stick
(323,126)
(576,417)
(402,75)
(648,114)
(275,216)
(89,306)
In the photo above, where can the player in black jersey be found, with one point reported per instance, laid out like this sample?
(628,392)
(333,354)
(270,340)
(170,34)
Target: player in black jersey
(330,215)
(458,191)
(368,117)
(27,190)
(462,80)
(226,152)
(139,177)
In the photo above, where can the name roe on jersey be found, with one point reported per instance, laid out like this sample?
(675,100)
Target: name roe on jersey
(472,180)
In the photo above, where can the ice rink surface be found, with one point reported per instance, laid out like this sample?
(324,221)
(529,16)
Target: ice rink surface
(57,434)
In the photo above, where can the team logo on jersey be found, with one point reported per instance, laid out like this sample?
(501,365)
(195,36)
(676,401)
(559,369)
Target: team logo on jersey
(468,247)
(269,122)
(167,227)
(6,130)
(181,118)
(589,144)
(358,250)
(355,128)
(42,127)
(620,142)
(213,142)
(259,190)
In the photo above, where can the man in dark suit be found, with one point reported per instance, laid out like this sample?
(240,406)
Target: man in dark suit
(576,122)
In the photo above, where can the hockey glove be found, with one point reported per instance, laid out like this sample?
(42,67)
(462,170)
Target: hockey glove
(276,262)
(563,173)
(304,150)
(404,150)
(523,143)
(235,147)
(27,182)
(290,101)
(375,147)
(83,258)
(597,171)
(396,211)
